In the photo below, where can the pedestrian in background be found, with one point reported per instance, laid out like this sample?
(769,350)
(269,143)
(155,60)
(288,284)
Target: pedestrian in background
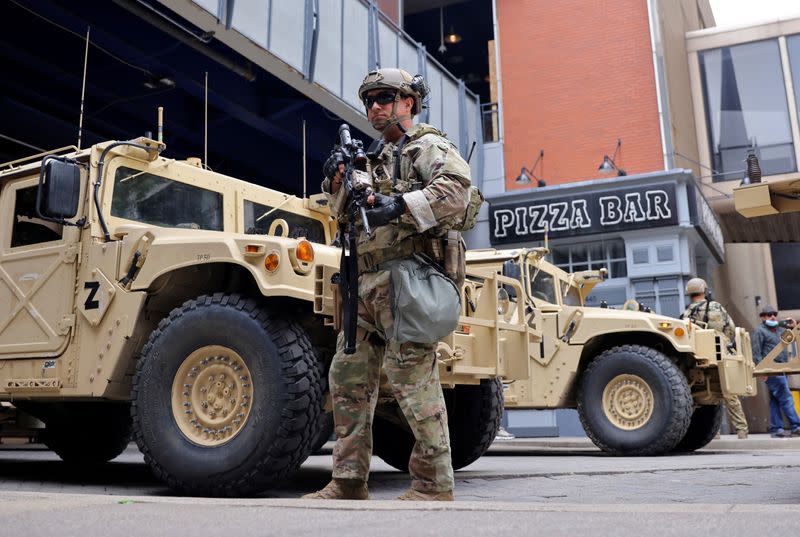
(765,338)
(713,314)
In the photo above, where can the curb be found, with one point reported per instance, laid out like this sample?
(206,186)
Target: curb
(726,442)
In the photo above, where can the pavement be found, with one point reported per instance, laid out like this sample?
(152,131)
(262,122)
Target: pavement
(526,486)
(725,442)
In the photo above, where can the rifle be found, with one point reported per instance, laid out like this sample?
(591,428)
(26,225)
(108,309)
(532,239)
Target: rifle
(351,153)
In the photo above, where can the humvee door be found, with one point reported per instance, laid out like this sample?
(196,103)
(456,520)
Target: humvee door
(38,261)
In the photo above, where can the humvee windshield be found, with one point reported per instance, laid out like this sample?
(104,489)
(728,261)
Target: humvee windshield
(156,200)
(571,295)
(299,226)
(542,285)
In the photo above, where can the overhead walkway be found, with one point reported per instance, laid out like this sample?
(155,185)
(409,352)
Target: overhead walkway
(323,48)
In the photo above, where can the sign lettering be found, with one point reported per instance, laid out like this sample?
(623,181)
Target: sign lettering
(584,214)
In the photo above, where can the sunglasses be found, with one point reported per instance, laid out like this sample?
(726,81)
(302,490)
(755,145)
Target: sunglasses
(773,314)
(382,98)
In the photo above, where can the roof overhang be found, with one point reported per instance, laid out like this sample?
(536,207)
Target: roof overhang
(765,212)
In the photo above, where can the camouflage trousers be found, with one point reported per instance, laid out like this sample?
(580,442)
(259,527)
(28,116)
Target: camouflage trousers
(413,377)
(736,413)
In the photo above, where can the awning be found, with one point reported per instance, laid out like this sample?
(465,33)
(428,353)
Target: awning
(765,212)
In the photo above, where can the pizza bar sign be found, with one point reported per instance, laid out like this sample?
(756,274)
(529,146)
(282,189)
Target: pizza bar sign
(584,214)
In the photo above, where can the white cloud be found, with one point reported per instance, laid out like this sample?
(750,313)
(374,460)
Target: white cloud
(738,12)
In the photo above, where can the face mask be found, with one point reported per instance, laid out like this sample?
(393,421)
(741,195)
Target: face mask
(771,323)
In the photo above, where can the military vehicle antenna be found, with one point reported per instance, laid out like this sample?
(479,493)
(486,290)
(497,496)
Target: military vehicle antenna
(160,124)
(546,233)
(83,86)
(205,126)
(305,178)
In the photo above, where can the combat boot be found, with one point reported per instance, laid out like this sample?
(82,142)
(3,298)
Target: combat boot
(741,435)
(419,496)
(341,489)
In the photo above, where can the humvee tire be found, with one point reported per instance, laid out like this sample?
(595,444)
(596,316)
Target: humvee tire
(705,423)
(324,431)
(84,433)
(633,400)
(474,413)
(226,397)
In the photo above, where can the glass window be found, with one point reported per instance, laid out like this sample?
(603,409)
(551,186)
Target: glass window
(746,108)
(577,257)
(664,253)
(156,200)
(793,45)
(560,256)
(785,267)
(27,228)
(662,295)
(571,295)
(641,256)
(543,286)
(299,226)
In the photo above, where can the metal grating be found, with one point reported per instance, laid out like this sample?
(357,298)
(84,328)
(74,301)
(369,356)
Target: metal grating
(773,228)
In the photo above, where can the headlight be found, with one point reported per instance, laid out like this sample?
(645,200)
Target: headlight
(503,302)
(302,257)
(305,252)
(272,261)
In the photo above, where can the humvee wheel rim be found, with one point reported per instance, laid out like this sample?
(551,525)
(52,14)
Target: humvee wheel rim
(211,395)
(628,402)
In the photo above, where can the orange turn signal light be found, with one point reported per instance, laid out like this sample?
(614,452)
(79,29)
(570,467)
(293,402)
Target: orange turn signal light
(679,332)
(272,261)
(305,252)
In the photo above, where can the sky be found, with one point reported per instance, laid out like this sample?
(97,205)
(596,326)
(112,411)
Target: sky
(736,12)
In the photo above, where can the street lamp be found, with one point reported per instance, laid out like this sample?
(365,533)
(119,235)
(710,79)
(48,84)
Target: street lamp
(608,165)
(526,176)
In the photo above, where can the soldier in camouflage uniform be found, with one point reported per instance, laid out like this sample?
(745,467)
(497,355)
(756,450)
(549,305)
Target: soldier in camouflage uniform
(421,186)
(713,314)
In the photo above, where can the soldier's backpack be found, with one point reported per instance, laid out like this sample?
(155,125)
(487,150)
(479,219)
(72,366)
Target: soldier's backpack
(476,199)
(470,218)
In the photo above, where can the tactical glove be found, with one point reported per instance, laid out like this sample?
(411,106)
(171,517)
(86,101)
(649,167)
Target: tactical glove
(385,209)
(331,165)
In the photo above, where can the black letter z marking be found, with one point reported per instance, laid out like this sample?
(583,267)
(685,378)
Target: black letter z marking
(91,303)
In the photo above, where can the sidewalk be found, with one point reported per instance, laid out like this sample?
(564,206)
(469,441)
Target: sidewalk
(725,443)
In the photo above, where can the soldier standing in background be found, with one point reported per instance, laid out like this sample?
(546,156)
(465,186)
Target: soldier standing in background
(421,186)
(713,314)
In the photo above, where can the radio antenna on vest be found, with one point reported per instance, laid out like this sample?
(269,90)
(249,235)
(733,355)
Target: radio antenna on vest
(471,149)
(83,86)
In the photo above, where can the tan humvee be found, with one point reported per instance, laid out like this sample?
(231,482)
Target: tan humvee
(642,383)
(147,296)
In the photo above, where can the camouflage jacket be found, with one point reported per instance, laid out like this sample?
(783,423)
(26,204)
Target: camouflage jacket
(713,314)
(434,181)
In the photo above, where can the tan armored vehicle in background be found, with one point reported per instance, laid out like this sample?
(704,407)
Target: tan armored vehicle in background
(643,384)
(145,296)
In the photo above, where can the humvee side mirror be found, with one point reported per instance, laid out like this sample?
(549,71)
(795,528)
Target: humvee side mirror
(59,189)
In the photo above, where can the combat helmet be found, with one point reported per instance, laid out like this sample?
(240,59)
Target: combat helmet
(696,286)
(397,79)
